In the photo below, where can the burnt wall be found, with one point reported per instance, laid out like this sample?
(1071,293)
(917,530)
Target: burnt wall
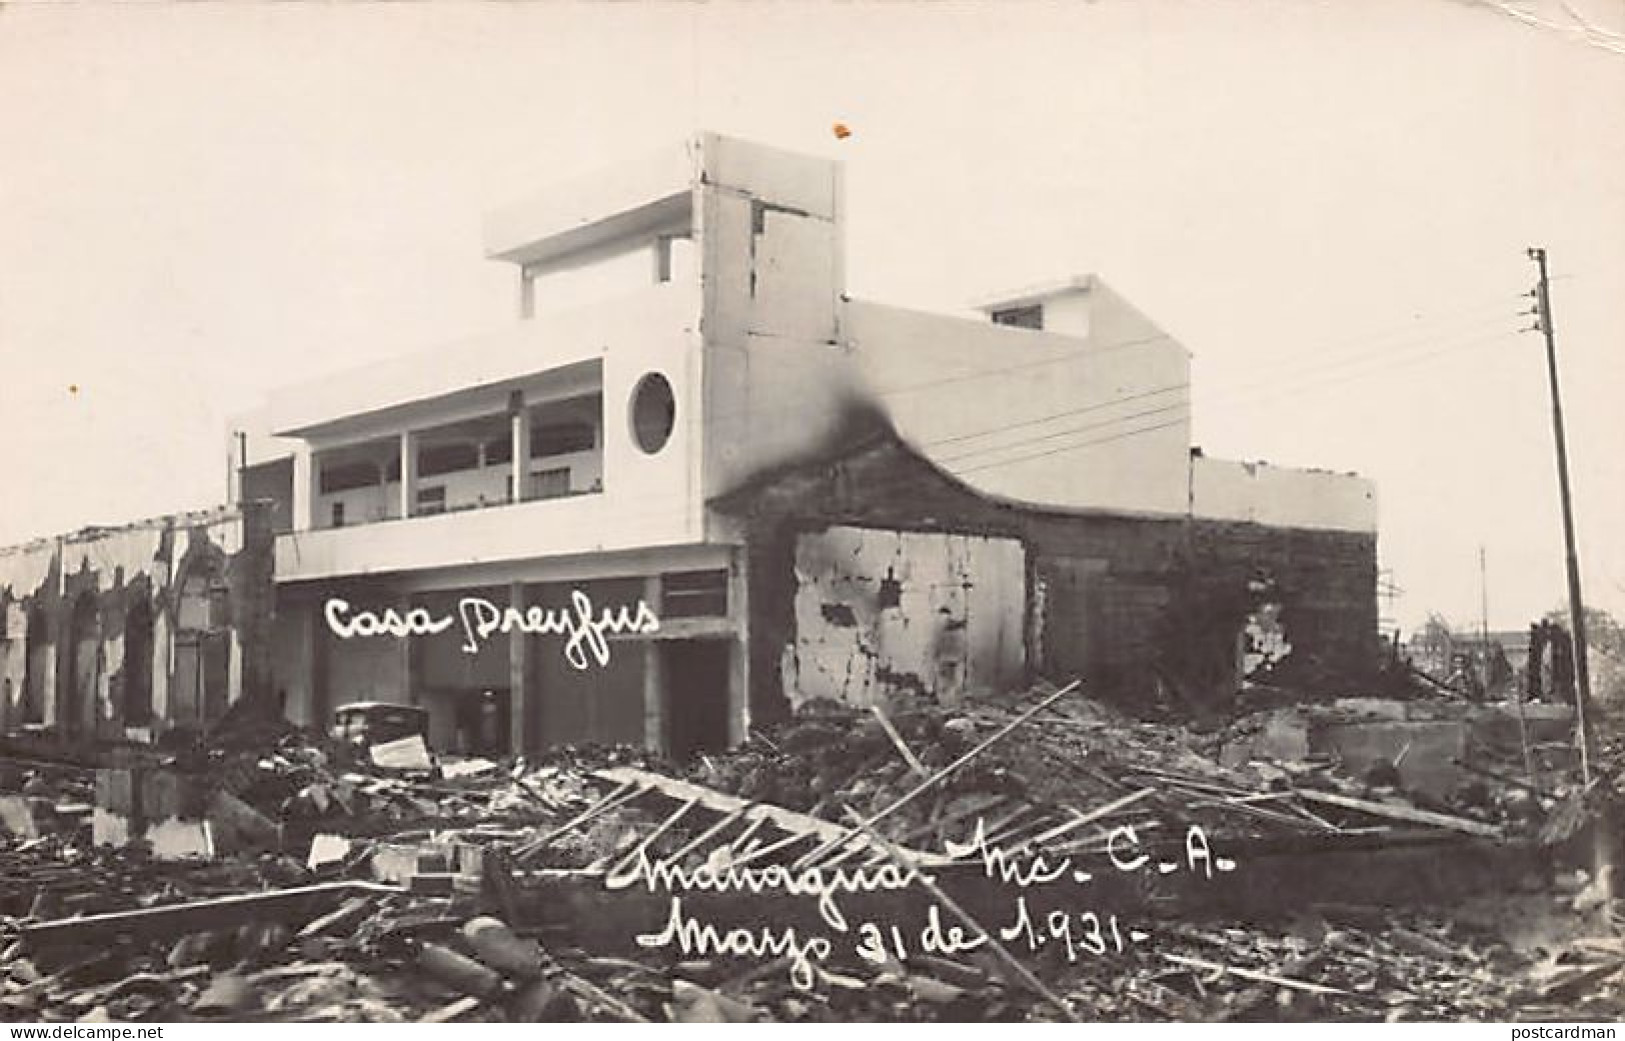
(1140,606)
(124,632)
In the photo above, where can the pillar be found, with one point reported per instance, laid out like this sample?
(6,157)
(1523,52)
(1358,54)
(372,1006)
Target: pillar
(408,645)
(306,486)
(739,660)
(527,293)
(518,672)
(409,472)
(654,681)
(519,428)
(662,259)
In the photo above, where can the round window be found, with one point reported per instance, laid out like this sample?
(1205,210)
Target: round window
(654,412)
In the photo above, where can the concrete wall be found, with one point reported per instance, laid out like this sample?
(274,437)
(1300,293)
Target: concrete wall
(202,580)
(878,611)
(779,381)
(1263,494)
(1100,423)
(1129,603)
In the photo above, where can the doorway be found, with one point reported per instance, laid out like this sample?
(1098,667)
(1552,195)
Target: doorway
(695,676)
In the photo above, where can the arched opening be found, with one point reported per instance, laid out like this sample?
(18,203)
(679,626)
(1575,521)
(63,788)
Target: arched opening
(138,664)
(77,713)
(36,668)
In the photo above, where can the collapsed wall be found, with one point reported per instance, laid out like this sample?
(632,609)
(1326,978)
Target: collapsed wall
(1132,603)
(123,633)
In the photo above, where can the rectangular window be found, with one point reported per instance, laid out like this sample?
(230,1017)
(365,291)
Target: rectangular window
(346,476)
(444,459)
(1031,317)
(561,439)
(694,594)
(338,515)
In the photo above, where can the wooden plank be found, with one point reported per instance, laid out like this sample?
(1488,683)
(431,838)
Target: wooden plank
(941,775)
(785,820)
(291,906)
(644,843)
(1241,1004)
(1080,819)
(625,793)
(1250,974)
(1403,813)
(897,739)
(708,834)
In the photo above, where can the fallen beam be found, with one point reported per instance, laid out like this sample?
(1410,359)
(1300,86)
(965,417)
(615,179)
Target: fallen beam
(290,906)
(785,820)
(1403,813)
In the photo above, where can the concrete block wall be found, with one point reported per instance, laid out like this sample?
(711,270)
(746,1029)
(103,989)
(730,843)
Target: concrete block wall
(1121,600)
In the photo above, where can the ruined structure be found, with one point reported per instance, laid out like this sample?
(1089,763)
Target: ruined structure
(819,497)
(125,633)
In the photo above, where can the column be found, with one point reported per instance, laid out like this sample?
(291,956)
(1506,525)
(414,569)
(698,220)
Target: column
(662,259)
(518,672)
(519,427)
(527,293)
(306,486)
(739,659)
(654,680)
(408,657)
(409,472)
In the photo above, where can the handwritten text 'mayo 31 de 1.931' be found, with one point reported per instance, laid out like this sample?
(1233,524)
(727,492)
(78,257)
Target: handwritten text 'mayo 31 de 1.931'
(880,934)
(585,629)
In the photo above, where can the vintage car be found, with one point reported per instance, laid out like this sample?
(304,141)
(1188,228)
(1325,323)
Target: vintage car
(364,726)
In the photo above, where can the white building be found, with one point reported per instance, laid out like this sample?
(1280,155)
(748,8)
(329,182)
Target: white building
(606,447)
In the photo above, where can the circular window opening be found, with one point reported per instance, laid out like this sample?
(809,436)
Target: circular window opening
(654,412)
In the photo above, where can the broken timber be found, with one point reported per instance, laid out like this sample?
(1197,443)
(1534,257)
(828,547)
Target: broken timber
(1403,813)
(289,906)
(789,821)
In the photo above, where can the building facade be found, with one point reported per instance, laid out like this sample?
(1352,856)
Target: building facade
(724,488)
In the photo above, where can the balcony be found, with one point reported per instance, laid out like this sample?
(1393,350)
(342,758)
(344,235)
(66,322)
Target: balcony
(467,464)
(535,443)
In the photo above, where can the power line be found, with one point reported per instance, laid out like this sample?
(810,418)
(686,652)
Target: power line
(1251,392)
(1056,359)
(1071,448)
(1107,403)
(1178,405)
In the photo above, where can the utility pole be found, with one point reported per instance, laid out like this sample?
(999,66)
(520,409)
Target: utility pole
(1582,671)
(1483,620)
(235,468)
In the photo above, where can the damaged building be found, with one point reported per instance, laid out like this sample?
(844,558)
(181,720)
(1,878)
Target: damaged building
(115,634)
(816,496)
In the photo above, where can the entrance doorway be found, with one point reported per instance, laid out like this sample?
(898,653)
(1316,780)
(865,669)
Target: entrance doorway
(481,722)
(696,696)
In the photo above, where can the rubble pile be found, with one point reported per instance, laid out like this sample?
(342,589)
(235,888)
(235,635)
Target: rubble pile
(396,958)
(478,891)
(1073,759)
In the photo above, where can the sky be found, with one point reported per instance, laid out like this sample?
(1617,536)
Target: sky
(1327,203)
